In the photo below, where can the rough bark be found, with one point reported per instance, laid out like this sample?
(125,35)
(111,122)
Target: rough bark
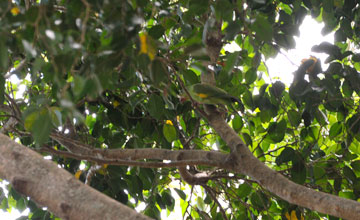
(244,162)
(55,188)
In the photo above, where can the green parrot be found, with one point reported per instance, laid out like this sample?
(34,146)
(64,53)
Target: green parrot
(209,94)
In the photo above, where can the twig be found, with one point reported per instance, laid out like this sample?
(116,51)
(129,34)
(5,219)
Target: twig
(17,69)
(84,24)
(213,196)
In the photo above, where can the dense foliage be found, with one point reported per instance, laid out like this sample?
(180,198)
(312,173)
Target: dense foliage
(111,73)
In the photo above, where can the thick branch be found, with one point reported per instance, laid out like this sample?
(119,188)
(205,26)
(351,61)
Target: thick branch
(55,188)
(244,162)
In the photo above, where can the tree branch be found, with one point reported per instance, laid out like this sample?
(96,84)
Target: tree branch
(55,188)
(141,153)
(100,160)
(244,162)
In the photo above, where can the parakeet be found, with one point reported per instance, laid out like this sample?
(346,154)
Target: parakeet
(209,94)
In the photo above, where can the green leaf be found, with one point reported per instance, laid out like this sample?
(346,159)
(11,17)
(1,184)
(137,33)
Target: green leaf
(335,129)
(198,7)
(190,77)
(250,76)
(298,171)
(152,211)
(307,118)
(247,139)
(286,41)
(285,156)
(347,90)
(21,204)
(265,116)
(276,131)
(4,204)
(156,31)
(294,118)
(321,117)
(222,10)
(30,120)
(259,200)
(349,174)
(181,193)
(244,190)
(231,61)
(237,123)
(2,88)
(263,28)
(117,118)
(277,89)
(79,86)
(200,203)
(356,57)
(156,106)
(96,131)
(4,57)
(353,124)
(158,72)
(169,132)
(247,99)
(326,47)
(39,123)
(56,117)
(168,200)
(159,201)
(337,184)
(319,172)
(269,51)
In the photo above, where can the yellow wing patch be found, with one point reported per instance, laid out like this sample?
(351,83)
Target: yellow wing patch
(202,95)
(292,216)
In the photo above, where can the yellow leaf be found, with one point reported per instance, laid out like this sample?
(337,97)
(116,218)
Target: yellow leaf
(77,174)
(143,44)
(293,215)
(147,45)
(287,216)
(15,11)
